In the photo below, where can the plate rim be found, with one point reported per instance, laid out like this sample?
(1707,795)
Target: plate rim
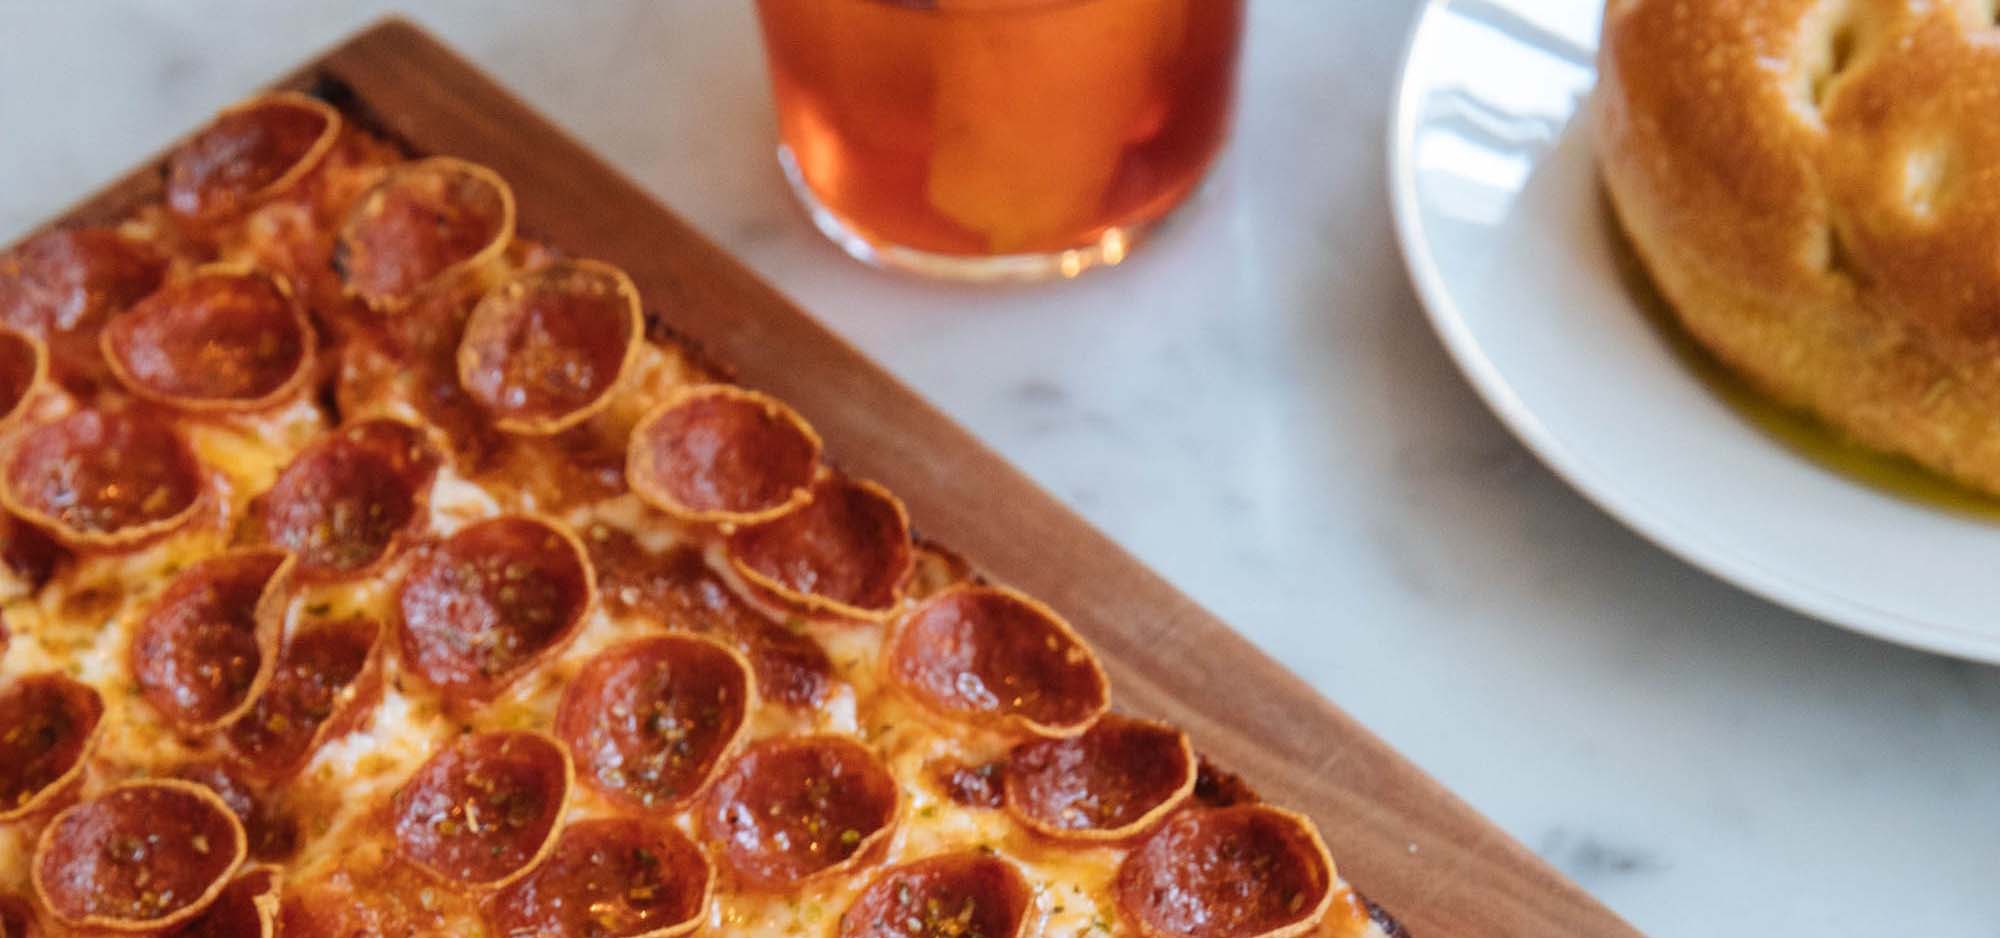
(1601,489)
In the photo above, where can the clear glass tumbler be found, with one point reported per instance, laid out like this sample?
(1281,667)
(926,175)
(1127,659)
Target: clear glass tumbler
(998,139)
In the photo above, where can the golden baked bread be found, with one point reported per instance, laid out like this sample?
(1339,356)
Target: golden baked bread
(1815,187)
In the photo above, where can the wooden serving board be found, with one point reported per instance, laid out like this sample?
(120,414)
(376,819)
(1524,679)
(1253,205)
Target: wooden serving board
(1397,835)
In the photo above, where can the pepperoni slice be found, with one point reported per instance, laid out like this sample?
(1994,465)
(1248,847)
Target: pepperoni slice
(1251,871)
(612,878)
(720,453)
(345,499)
(270,832)
(481,606)
(1115,780)
(792,669)
(543,351)
(790,809)
(936,569)
(424,222)
(24,363)
(320,911)
(648,720)
(217,340)
(677,588)
(975,786)
(1217,787)
(368,899)
(985,654)
(846,552)
(25,552)
(249,153)
(17,918)
(328,676)
(47,725)
(956,895)
(143,855)
(103,479)
(61,287)
(481,812)
(209,644)
(247,908)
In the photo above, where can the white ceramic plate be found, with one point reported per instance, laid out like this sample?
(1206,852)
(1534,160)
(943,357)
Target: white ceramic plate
(1508,241)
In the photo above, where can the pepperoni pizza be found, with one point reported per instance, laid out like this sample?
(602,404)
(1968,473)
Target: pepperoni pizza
(372,569)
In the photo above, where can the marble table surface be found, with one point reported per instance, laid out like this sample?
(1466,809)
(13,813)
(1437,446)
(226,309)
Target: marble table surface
(1253,404)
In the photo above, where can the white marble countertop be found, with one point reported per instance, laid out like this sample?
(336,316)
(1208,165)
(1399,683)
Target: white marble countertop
(1255,405)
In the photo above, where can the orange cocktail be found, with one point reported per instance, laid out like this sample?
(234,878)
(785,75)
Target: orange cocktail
(988,138)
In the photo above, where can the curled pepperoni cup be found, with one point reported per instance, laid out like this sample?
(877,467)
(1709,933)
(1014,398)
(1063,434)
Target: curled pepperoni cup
(327,677)
(320,910)
(142,856)
(101,479)
(1216,787)
(482,606)
(936,569)
(543,351)
(790,809)
(17,918)
(248,154)
(846,552)
(272,834)
(218,340)
(61,287)
(47,725)
(367,898)
(207,647)
(956,895)
(791,668)
(27,554)
(346,499)
(614,878)
(424,223)
(484,810)
(985,654)
(678,586)
(246,908)
(1250,871)
(24,365)
(648,720)
(720,453)
(1112,782)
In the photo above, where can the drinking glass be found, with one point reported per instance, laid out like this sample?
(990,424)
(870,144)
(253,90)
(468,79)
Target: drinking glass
(998,139)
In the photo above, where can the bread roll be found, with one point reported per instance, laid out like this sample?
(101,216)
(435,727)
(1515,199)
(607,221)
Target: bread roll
(1815,187)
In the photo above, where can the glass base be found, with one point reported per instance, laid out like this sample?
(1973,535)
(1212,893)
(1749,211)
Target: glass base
(1109,248)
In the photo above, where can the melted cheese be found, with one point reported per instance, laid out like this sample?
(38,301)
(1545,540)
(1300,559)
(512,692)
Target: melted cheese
(82,624)
(343,789)
(456,502)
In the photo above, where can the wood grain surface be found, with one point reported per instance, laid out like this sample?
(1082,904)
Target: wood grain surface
(1399,836)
